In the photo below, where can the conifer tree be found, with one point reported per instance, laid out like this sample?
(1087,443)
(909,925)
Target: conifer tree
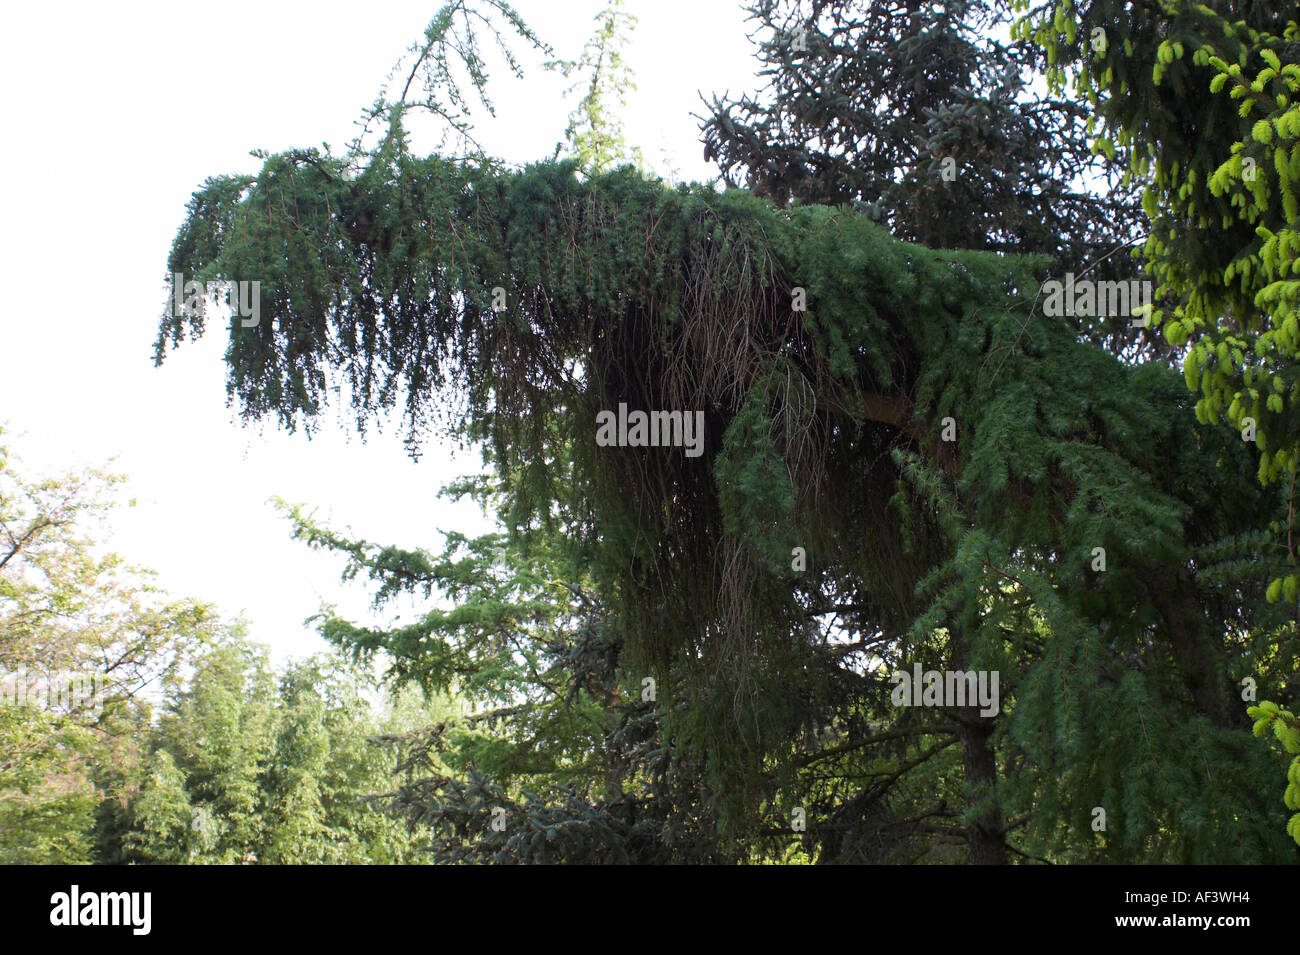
(973,488)
(595,131)
(1202,96)
(560,747)
(917,113)
(244,769)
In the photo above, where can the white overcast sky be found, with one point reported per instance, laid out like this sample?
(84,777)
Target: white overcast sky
(116,113)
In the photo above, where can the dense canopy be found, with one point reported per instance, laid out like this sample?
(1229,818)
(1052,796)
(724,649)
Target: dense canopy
(827,359)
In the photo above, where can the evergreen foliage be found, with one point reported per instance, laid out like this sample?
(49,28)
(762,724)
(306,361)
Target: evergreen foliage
(243,768)
(896,337)
(916,113)
(1286,727)
(1201,96)
(560,741)
(825,356)
(595,130)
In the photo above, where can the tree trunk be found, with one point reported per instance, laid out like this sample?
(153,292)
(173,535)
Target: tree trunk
(1194,647)
(987,841)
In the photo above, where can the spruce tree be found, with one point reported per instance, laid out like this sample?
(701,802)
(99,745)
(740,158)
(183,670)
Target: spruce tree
(917,113)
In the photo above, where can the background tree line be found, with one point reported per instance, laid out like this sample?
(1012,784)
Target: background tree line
(197,751)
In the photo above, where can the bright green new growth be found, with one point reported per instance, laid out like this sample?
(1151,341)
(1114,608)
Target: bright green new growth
(1205,97)
(1224,171)
(595,130)
(1286,727)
